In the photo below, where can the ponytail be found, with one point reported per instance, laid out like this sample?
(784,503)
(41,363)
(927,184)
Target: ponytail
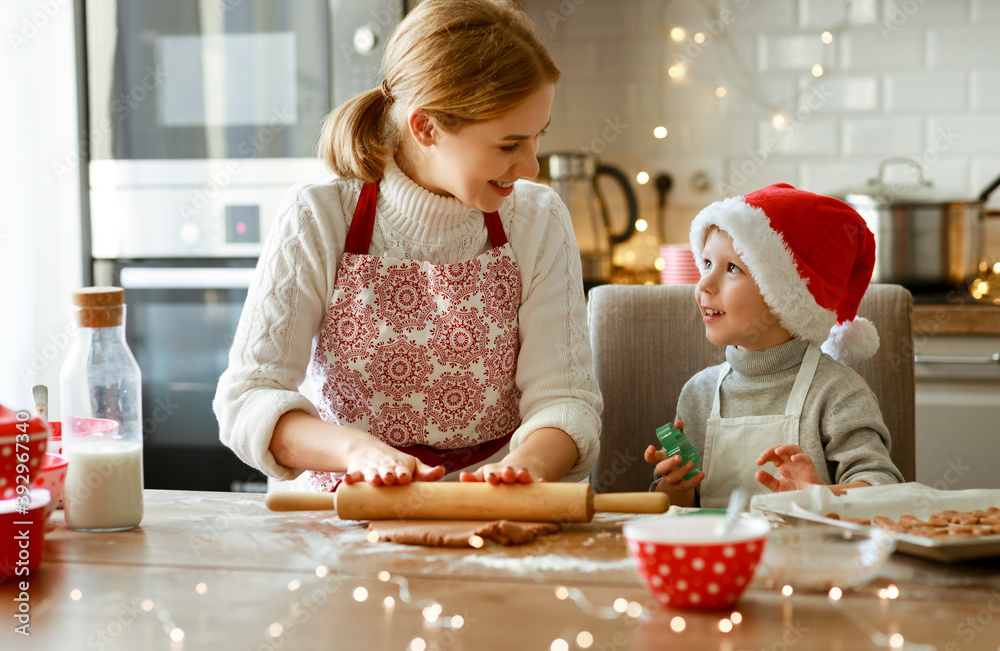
(462,61)
(353,139)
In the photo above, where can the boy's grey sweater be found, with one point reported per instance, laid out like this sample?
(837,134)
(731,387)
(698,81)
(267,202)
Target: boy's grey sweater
(841,420)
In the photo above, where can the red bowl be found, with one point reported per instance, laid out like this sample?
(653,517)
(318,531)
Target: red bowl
(15,468)
(21,545)
(686,563)
(52,477)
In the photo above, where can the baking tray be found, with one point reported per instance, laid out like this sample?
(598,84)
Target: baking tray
(811,505)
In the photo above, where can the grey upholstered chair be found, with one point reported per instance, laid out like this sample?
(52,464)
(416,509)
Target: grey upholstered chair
(648,340)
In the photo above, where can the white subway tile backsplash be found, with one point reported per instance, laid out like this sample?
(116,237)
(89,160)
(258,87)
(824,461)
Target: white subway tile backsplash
(901,13)
(761,14)
(836,177)
(868,49)
(965,134)
(793,52)
(985,11)
(986,90)
(911,92)
(810,136)
(760,95)
(834,14)
(743,175)
(917,78)
(726,138)
(847,92)
(873,136)
(963,47)
(860,12)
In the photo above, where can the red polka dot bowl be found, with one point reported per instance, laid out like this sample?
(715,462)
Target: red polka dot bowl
(23,441)
(51,477)
(687,563)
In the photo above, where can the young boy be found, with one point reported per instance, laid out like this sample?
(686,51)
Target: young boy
(782,274)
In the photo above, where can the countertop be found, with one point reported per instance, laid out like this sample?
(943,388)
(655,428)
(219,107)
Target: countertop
(219,571)
(957,318)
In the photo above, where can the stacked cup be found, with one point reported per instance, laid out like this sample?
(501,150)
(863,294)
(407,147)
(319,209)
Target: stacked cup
(678,265)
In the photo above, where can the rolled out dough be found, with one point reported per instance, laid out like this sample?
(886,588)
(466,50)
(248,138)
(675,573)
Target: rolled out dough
(456,533)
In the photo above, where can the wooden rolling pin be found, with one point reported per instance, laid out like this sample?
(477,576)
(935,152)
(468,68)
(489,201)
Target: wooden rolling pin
(538,502)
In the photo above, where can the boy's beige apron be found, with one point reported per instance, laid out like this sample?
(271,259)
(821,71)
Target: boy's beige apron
(422,356)
(733,444)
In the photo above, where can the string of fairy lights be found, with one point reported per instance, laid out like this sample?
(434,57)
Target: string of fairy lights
(400,599)
(687,43)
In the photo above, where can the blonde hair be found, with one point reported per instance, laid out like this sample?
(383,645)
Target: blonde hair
(462,61)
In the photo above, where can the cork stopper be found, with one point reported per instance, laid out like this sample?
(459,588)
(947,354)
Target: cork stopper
(99,307)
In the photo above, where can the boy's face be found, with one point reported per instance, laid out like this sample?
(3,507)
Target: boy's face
(732,307)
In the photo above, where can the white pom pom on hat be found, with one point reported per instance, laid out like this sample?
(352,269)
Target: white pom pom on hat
(812,257)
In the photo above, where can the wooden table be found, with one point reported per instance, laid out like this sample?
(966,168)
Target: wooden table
(218,571)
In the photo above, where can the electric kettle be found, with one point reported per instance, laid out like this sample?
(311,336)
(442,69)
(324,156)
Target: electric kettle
(574,176)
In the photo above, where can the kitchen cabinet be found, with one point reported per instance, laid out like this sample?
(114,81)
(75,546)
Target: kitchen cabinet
(957,396)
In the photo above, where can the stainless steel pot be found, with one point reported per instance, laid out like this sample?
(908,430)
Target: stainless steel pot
(923,236)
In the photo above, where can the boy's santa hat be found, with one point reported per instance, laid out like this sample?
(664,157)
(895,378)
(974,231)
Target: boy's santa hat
(812,257)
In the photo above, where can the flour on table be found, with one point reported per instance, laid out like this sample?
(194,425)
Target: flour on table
(552,562)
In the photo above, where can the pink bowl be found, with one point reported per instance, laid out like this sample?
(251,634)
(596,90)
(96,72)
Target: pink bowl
(86,426)
(20,545)
(686,563)
(52,477)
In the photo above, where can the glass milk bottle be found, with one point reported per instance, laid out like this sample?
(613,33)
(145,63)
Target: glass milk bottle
(101,417)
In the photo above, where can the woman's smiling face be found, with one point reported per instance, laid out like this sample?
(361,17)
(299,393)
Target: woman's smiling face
(479,163)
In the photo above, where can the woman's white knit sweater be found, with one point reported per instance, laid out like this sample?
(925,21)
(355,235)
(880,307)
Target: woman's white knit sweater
(294,281)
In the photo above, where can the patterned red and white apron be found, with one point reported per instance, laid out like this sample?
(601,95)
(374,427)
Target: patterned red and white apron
(422,356)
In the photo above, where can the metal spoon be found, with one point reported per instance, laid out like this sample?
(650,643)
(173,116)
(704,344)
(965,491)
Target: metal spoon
(40,393)
(737,504)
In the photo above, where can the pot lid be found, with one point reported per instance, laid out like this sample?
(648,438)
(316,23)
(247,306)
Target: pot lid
(911,190)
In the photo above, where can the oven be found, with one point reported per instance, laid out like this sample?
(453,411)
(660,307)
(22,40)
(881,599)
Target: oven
(199,115)
(181,318)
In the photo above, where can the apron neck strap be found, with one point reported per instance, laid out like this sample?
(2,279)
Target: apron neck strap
(803,381)
(796,399)
(359,236)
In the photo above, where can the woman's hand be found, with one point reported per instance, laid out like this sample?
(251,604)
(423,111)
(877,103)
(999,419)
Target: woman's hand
(795,467)
(547,454)
(382,465)
(499,473)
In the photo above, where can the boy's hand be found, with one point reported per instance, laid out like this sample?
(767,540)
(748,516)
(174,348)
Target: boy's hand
(673,469)
(795,467)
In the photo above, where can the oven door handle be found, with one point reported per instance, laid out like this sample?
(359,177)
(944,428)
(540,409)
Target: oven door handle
(955,359)
(186,277)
